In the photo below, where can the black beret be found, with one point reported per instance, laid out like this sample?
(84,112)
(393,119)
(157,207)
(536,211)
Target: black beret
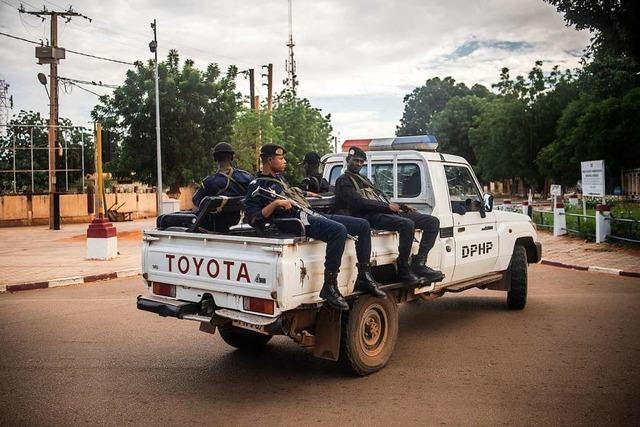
(272,150)
(311,158)
(222,147)
(358,152)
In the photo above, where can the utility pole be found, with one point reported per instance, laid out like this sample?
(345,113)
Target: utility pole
(252,90)
(6,105)
(52,55)
(269,85)
(153,46)
(290,65)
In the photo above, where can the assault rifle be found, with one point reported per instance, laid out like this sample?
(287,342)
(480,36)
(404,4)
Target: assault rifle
(271,195)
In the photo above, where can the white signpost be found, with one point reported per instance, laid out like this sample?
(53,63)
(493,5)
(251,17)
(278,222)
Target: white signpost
(592,180)
(556,190)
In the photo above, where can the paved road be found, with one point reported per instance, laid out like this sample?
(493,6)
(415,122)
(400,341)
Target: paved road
(84,354)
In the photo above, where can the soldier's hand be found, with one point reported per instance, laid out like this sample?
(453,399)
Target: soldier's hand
(395,208)
(284,204)
(311,194)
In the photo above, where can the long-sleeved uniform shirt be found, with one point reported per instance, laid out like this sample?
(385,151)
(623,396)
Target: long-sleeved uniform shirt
(349,201)
(220,184)
(255,204)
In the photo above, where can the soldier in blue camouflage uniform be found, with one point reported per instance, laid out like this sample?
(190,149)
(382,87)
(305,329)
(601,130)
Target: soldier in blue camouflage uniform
(332,229)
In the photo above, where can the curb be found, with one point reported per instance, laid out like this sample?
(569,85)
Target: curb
(591,268)
(68,281)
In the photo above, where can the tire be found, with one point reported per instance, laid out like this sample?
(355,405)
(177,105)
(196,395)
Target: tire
(243,339)
(517,293)
(369,334)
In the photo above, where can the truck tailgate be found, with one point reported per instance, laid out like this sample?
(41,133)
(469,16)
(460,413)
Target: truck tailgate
(227,267)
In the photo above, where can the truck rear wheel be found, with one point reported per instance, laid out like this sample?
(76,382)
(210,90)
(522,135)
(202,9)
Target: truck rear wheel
(243,339)
(517,293)
(369,334)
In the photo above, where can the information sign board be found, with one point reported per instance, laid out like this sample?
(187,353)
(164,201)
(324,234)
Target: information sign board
(593,178)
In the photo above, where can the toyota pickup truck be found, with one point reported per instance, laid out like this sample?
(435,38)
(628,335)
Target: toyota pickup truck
(251,284)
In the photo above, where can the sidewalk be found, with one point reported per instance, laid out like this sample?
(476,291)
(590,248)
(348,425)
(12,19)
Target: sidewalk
(36,257)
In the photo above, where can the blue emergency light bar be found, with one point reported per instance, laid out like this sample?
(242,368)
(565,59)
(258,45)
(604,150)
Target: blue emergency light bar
(417,142)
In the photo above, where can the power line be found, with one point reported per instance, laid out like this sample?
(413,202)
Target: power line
(70,51)
(99,83)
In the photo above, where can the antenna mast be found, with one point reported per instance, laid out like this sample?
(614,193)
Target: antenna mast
(290,64)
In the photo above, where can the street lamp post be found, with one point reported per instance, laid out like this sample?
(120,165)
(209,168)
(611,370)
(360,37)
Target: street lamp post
(153,46)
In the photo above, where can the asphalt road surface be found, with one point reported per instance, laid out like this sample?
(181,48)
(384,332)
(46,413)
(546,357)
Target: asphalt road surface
(85,355)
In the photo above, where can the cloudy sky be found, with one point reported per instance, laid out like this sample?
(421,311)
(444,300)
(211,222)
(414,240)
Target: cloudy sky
(356,59)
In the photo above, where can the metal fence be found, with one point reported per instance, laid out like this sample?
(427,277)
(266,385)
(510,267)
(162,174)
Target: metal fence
(624,230)
(21,144)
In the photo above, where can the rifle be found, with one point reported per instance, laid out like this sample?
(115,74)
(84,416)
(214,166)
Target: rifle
(271,195)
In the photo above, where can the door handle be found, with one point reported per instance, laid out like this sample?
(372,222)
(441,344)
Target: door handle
(488,227)
(461,229)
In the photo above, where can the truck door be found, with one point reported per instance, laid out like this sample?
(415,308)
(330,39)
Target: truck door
(474,231)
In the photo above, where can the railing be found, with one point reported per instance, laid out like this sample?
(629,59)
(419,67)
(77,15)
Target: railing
(632,226)
(580,221)
(542,215)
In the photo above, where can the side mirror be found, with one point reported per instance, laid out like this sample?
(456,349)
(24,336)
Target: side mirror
(488,202)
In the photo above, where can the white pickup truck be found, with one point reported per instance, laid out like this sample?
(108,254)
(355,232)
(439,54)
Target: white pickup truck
(252,284)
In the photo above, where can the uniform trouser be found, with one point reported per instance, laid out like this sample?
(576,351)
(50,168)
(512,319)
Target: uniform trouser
(405,224)
(333,230)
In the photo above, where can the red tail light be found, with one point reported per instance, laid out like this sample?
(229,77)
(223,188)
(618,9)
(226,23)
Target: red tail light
(258,305)
(164,289)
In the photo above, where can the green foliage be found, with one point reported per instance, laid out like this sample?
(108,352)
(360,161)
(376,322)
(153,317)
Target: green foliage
(614,23)
(294,124)
(607,129)
(304,129)
(424,101)
(30,128)
(251,129)
(197,109)
(452,125)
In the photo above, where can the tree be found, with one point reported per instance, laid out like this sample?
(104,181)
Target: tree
(304,129)
(250,130)
(588,130)
(499,140)
(197,110)
(424,101)
(613,21)
(451,125)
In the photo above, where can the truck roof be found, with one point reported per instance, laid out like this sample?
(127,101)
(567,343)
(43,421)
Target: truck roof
(431,156)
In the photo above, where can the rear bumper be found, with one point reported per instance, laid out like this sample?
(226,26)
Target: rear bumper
(188,311)
(167,307)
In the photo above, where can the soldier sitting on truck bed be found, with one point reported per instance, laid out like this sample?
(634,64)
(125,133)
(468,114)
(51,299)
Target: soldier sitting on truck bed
(332,229)
(227,181)
(358,196)
(313,180)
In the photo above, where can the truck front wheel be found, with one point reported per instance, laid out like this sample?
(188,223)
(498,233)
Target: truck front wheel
(517,293)
(369,334)
(243,339)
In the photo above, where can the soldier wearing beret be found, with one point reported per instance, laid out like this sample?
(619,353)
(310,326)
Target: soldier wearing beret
(227,181)
(332,229)
(313,180)
(358,196)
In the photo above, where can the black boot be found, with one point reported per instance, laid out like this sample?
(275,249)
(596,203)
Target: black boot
(419,267)
(365,282)
(405,276)
(331,293)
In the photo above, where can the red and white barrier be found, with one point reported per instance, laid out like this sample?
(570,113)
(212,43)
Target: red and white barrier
(102,239)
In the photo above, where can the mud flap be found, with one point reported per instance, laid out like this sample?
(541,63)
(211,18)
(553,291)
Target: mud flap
(328,326)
